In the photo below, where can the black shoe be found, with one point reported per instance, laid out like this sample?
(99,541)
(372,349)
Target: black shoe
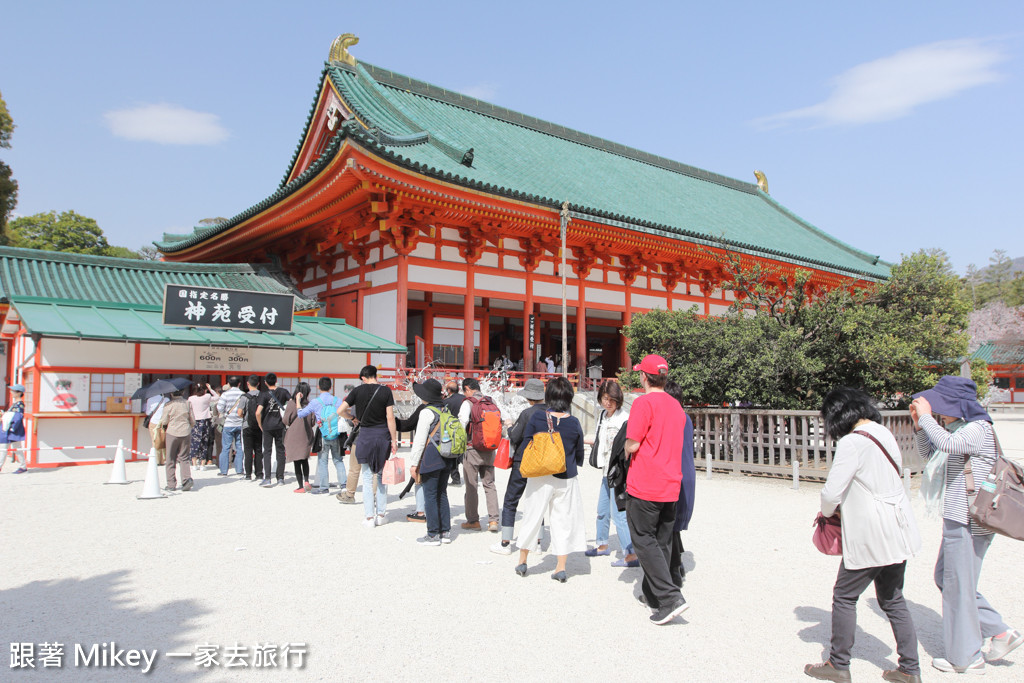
(663,615)
(187,485)
(456,479)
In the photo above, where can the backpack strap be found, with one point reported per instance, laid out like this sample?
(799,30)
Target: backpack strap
(879,444)
(437,426)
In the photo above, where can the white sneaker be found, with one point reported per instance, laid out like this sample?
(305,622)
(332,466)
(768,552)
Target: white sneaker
(977,667)
(368,523)
(1003,646)
(500,549)
(380,520)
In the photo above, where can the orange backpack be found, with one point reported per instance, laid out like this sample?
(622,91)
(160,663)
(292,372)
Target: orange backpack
(484,424)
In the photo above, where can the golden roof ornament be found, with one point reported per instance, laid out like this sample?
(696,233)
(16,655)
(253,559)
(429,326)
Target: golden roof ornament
(762,181)
(339,49)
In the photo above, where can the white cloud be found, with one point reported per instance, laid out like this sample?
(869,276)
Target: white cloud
(481,91)
(167,124)
(892,87)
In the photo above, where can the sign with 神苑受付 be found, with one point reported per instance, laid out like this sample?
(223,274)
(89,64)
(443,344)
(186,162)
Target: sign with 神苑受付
(234,309)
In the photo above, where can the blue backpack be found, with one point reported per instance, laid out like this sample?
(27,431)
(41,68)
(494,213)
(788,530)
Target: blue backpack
(327,418)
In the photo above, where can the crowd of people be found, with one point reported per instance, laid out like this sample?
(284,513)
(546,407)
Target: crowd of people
(646,490)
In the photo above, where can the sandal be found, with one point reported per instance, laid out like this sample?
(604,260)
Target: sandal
(417,517)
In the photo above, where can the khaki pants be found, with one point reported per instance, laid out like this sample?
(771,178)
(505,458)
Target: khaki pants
(178,452)
(160,452)
(353,473)
(480,465)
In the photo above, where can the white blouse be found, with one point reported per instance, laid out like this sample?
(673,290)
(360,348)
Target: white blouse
(878,523)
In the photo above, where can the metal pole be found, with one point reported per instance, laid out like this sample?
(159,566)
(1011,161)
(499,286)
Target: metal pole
(565,338)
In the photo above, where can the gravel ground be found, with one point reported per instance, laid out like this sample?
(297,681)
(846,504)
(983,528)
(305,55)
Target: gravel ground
(231,564)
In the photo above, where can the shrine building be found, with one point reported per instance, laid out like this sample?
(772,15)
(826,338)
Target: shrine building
(434,219)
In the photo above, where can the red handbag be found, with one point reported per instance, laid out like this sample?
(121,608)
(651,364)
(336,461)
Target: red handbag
(828,535)
(503,458)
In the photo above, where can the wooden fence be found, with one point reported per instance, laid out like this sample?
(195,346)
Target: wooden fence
(767,442)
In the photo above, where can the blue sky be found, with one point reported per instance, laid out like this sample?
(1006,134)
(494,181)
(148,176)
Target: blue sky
(893,126)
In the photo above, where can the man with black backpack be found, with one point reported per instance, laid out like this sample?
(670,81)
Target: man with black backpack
(252,437)
(481,418)
(334,431)
(270,416)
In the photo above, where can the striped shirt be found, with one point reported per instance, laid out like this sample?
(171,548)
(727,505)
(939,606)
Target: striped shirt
(974,440)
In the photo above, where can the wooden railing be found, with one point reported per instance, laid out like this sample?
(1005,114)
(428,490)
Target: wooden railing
(768,441)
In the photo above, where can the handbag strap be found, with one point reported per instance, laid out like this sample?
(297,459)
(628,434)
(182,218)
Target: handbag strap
(969,468)
(879,444)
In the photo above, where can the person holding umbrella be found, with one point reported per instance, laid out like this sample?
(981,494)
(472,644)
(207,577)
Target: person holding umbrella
(155,396)
(177,421)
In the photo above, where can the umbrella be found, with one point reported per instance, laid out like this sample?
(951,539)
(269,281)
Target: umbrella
(161,386)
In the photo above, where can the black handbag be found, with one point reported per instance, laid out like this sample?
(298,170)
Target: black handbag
(618,469)
(597,441)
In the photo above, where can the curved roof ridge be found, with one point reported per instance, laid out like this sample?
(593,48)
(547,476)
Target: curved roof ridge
(873,259)
(513,117)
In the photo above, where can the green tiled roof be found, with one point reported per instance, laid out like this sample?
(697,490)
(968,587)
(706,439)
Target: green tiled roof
(1000,353)
(430,130)
(142,323)
(76,277)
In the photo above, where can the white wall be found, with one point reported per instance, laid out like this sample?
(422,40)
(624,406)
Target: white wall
(167,357)
(437,276)
(383,276)
(332,362)
(500,284)
(84,431)
(380,318)
(87,353)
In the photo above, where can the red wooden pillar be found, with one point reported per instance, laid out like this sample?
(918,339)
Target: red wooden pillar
(402,328)
(528,361)
(627,318)
(485,331)
(467,321)
(581,329)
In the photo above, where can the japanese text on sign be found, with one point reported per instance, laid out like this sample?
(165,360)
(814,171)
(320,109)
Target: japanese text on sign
(227,308)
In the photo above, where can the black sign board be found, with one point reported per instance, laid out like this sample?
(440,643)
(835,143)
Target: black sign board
(532,330)
(235,309)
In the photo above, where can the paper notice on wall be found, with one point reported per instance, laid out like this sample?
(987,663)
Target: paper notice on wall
(132,383)
(64,392)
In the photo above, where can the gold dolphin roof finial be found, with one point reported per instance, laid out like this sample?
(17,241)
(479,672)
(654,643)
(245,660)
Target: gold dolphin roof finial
(762,181)
(340,46)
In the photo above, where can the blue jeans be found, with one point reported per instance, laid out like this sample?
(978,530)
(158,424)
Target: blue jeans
(434,489)
(366,475)
(231,435)
(331,450)
(605,509)
(418,488)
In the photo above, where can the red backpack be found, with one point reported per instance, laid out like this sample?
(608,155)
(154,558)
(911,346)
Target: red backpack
(484,423)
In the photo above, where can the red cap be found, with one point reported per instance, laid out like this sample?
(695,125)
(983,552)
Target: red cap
(652,364)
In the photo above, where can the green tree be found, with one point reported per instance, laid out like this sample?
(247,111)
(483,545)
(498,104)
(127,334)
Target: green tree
(67,231)
(781,348)
(8,186)
(999,274)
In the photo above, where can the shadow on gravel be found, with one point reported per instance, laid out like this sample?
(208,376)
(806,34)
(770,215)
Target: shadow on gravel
(865,646)
(99,610)
(927,623)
